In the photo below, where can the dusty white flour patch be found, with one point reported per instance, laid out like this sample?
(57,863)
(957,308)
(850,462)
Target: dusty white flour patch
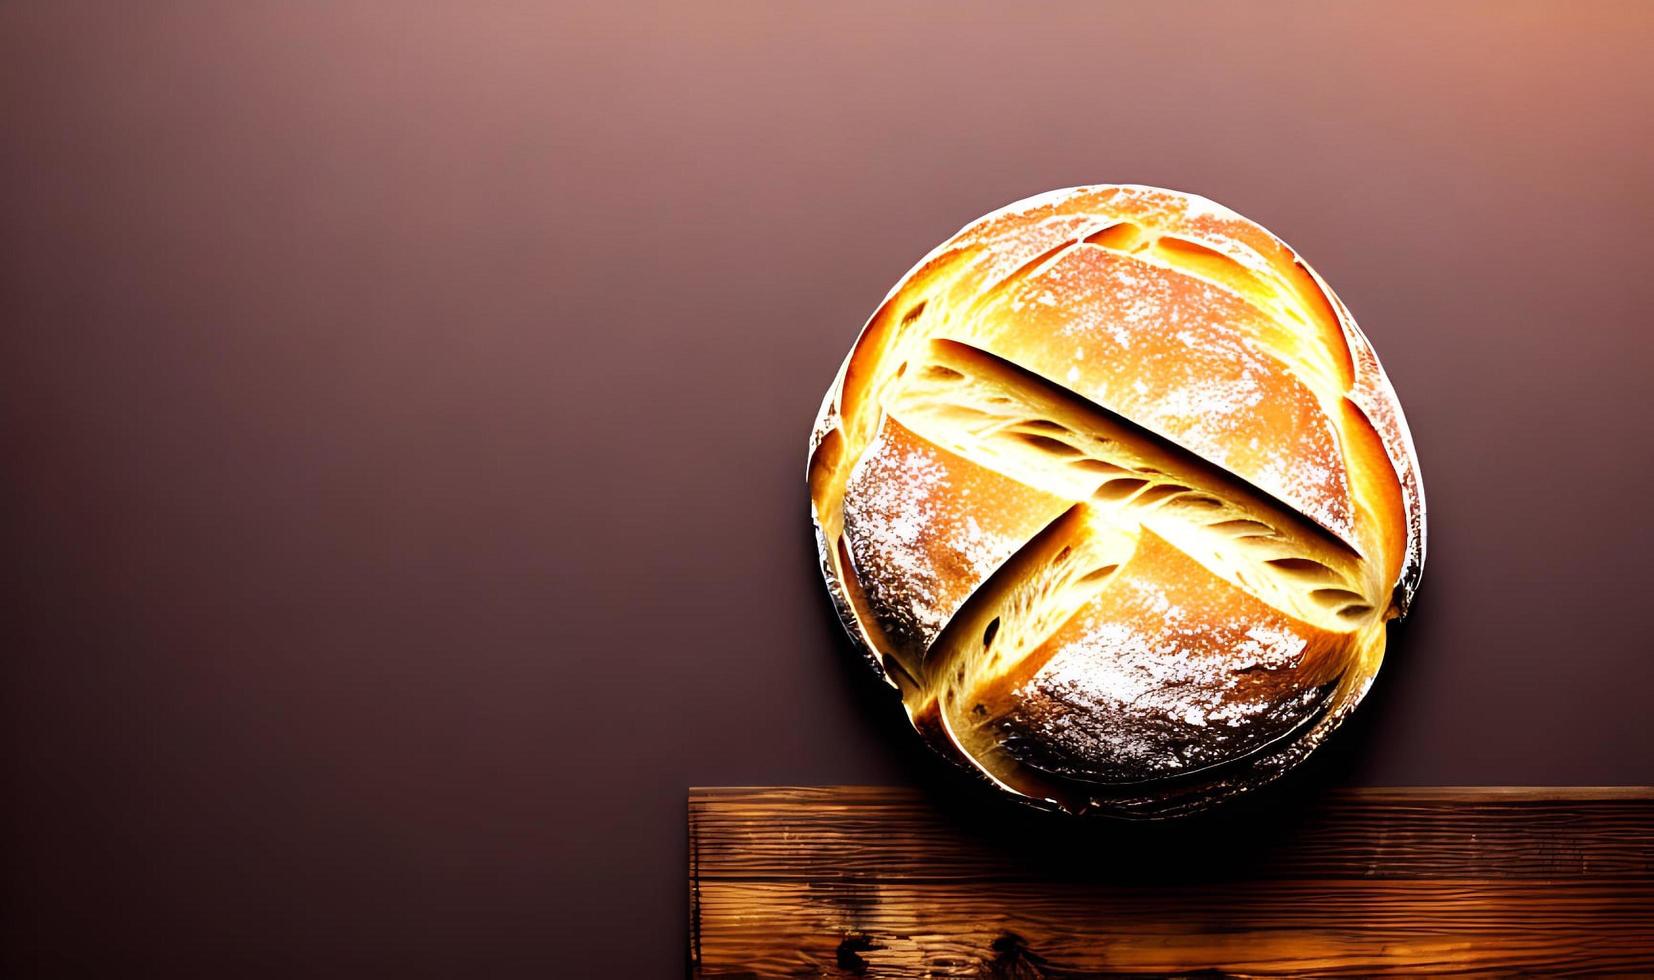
(917,544)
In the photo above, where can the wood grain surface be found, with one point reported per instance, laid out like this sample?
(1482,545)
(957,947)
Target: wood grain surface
(880,882)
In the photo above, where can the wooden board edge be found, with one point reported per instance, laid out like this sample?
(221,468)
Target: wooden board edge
(852,795)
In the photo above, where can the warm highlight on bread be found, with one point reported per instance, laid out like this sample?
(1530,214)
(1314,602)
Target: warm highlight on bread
(1115,493)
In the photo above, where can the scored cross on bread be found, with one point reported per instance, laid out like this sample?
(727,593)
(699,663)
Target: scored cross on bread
(1113,491)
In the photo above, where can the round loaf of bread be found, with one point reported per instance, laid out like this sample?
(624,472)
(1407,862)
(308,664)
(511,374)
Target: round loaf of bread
(1114,493)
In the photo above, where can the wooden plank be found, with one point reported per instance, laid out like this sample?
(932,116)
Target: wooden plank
(826,832)
(857,881)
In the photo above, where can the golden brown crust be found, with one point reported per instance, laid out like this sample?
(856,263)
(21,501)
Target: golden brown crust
(925,527)
(1114,491)
(1167,671)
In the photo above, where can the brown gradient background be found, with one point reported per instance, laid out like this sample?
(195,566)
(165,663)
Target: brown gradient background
(404,413)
